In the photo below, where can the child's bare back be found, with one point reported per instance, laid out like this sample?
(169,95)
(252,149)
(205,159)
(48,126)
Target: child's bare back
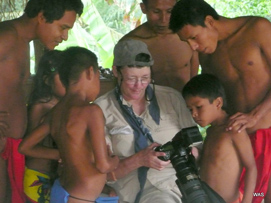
(77,128)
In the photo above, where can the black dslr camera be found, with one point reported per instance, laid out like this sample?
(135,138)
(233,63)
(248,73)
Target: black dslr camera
(178,151)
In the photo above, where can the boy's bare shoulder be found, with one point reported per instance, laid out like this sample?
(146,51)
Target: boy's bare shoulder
(8,31)
(92,107)
(257,25)
(259,21)
(86,111)
(219,132)
(90,116)
(238,137)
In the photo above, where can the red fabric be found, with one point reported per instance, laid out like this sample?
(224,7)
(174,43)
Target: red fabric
(261,144)
(16,164)
(240,198)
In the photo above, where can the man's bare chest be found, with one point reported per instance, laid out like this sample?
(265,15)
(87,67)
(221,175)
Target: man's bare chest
(170,53)
(15,67)
(233,60)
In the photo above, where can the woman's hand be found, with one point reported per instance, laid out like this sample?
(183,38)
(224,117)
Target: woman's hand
(149,158)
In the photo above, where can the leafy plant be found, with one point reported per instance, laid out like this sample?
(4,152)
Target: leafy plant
(102,24)
(234,8)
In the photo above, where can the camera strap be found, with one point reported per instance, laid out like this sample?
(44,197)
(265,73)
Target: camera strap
(141,133)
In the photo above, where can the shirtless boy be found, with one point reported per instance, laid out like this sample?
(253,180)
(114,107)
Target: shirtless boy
(77,126)
(48,21)
(175,62)
(224,152)
(238,52)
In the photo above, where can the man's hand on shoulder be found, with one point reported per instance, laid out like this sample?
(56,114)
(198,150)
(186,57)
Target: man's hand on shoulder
(241,121)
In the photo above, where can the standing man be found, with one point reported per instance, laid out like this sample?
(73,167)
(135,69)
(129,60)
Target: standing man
(174,61)
(238,52)
(48,21)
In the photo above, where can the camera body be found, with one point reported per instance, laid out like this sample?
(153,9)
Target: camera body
(178,151)
(184,139)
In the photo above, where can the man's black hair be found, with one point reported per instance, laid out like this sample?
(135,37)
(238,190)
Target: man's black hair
(75,61)
(52,9)
(190,12)
(205,86)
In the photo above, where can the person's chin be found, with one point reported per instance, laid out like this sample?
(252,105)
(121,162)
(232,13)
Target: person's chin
(51,46)
(162,30)
(206,51)
(136,96)
(210,50)
(200,123)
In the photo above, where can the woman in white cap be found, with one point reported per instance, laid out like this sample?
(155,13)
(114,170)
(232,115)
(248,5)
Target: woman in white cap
(140,116)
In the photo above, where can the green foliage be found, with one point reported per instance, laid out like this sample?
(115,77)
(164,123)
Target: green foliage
(102,24)
(234,8)
(10,9)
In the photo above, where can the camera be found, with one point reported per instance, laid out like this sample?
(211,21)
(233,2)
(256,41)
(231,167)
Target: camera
(178,151)
(187,137)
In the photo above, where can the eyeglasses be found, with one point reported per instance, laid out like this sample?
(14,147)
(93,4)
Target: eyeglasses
(133,81)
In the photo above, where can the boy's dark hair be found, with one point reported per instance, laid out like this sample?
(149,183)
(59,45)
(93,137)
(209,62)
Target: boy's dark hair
(205,86)
(75,61)
(52,9)
(190,12)
(47,68)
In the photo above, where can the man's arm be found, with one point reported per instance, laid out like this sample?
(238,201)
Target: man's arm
(243,147)
(241,121)
(262,29)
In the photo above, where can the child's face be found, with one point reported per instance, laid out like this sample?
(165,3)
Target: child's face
(203,112)
(97,80)
(94,85)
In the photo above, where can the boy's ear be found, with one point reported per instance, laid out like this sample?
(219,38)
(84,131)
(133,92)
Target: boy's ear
(115,71)
(90,73)
(209,21)
(143,8)
(41,18)
(219,102)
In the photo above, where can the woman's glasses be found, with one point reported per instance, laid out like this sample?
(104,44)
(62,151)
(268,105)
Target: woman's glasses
(133,81)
